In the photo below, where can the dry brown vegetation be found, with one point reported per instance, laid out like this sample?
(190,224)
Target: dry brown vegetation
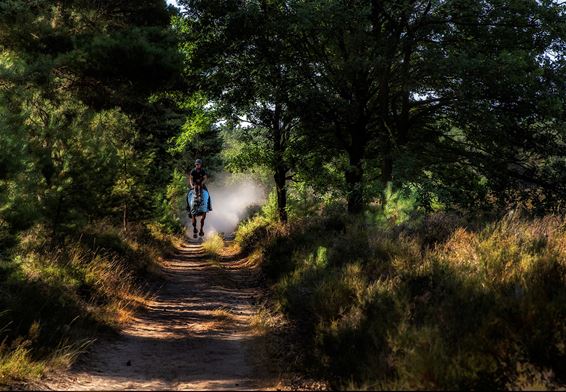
(55,300)
(431,304)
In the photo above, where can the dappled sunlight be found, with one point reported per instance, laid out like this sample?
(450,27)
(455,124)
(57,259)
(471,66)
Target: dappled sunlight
(195,333)
(387,183)
(424,305)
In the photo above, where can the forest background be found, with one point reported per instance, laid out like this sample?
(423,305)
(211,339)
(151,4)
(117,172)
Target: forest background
(413,152)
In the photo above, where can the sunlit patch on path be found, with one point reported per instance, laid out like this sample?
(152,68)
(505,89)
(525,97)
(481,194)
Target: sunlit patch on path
(195,334)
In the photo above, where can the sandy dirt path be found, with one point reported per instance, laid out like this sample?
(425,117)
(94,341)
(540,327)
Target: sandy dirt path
(195,334)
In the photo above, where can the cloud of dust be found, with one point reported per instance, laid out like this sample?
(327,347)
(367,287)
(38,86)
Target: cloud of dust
(231,197)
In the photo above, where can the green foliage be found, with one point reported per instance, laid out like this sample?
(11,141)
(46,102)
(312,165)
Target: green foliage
(171,205)
(81,142)
(246,149)
(479,309)
(464,102)
(17,365)
(398,108)
(198,122)
(396,207)
(252,231)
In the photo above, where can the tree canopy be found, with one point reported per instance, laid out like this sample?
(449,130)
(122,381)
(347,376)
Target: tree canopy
(83,139)
(464,101)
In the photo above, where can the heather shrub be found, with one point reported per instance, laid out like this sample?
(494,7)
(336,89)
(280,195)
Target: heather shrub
(431,304)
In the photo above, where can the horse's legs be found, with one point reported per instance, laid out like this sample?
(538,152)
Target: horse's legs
(201,233)
(194,226)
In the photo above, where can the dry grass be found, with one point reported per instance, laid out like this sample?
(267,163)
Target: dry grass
(57,299)
(17,365)
(222,317)
(265,321)
(231,250)
(470,310)
(213,245)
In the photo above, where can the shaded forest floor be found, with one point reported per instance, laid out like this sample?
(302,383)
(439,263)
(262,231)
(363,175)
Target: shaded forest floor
(196,333)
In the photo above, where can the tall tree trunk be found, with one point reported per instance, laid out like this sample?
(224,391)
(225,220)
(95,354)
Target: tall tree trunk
(354,179)
(125,210)
(281,188)
(403,122)
(386,169)
(280,172)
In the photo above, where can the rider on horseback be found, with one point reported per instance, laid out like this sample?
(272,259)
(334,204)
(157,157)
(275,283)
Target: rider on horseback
(195,203)
(197,179)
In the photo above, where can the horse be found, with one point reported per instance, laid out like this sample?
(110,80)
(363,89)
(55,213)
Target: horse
(197,201)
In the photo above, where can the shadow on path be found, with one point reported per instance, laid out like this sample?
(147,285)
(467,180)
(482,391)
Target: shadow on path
(195,334)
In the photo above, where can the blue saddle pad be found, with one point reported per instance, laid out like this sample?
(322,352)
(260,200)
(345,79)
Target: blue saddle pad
(198,208)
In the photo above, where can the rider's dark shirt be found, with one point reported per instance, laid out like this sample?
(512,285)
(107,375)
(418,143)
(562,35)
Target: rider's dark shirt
(197,175)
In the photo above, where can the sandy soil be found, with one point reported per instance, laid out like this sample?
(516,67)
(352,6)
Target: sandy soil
(195,334)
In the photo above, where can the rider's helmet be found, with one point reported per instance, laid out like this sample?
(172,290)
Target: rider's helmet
(198,162)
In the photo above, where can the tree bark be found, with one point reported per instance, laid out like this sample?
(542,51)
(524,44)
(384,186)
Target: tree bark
(280,172)
(281,188)
(125,211)
(354,179)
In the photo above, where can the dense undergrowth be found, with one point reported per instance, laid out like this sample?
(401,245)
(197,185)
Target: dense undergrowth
(55,298)
(433,303)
